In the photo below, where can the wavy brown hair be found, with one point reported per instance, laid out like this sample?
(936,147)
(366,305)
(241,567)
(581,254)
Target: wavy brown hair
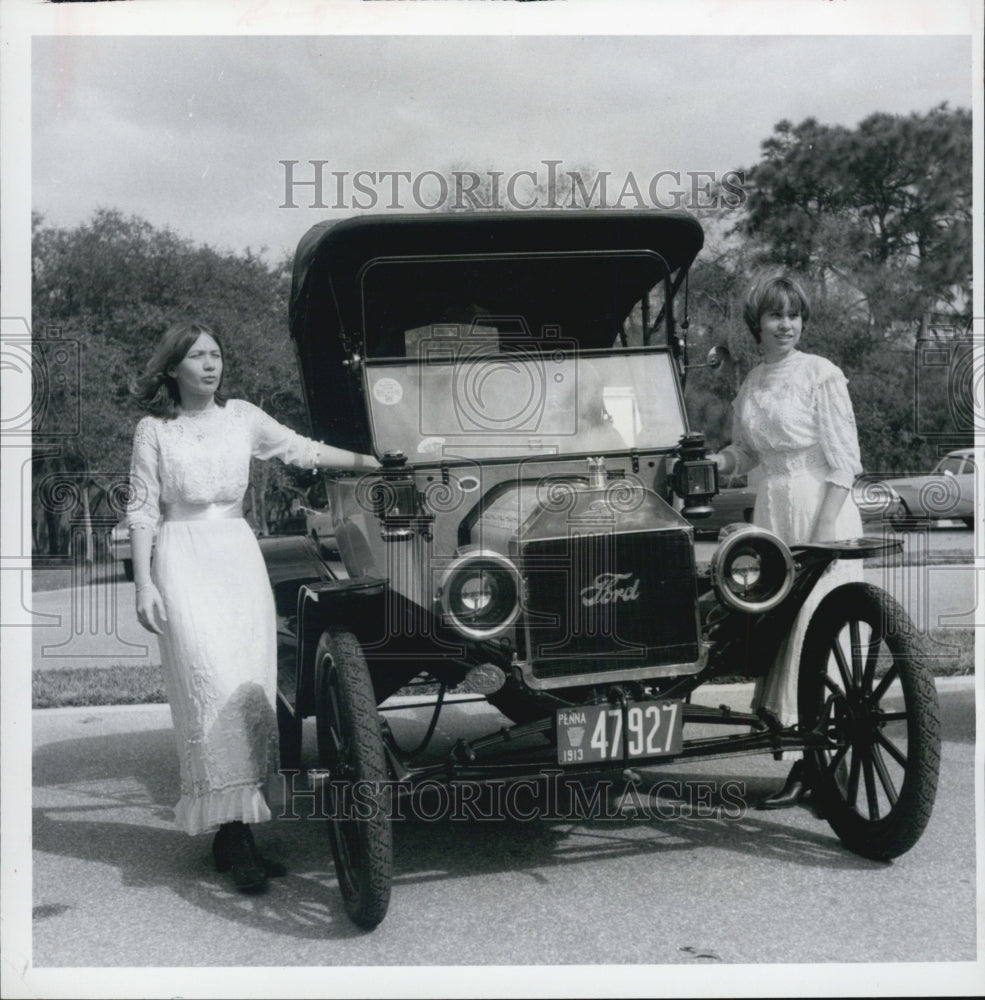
(154,389)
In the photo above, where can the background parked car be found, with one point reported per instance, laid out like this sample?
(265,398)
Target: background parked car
(733,504)
(293,525)
(119,546)
(319,528)
(947,492)
(876,500)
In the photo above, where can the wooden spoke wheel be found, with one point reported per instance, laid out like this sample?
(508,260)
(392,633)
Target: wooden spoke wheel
(864,686)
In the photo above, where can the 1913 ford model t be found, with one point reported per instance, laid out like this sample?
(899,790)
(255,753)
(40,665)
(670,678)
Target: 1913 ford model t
(528,537)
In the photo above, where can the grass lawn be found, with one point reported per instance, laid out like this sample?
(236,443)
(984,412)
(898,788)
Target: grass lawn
(89,686)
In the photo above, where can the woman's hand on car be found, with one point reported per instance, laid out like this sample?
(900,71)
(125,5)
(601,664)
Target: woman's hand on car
(725,462)
(150,608)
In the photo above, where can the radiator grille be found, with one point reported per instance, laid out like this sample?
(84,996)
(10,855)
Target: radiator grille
(605,603)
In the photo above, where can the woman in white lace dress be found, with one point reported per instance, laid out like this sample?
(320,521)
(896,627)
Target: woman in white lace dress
(793,420)
(206,594)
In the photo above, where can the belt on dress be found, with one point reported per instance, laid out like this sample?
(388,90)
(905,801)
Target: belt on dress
(179,510)
(784,462)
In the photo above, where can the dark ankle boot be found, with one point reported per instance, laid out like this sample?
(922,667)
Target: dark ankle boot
(233,852)
(793,791)
(272,869)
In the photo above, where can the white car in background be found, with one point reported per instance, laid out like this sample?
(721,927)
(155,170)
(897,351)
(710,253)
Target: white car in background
(119,547)
(948,492)
(320,529)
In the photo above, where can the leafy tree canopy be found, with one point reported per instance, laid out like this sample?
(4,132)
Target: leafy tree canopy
(112,285)
(883,209)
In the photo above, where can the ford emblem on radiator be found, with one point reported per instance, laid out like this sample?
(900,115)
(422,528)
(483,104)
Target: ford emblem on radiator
(606,589)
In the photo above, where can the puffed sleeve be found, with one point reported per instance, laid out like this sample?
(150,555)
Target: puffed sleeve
(836,426)
(271,439)
(741,450)
(144,507)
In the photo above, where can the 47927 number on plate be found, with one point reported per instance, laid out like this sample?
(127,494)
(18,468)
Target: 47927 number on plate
(598,733)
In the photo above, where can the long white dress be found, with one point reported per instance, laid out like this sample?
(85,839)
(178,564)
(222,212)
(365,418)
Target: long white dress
(218,650)
(793,419)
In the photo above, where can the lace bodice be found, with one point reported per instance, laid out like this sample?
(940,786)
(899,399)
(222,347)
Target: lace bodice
(794,414)
(205,458)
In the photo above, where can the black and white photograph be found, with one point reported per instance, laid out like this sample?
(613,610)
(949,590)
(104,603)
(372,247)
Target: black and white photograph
(492,498)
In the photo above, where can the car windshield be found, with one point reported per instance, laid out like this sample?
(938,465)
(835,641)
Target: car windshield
(474,401)
(950,463)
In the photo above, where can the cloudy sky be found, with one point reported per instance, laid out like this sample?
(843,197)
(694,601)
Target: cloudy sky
(189,131)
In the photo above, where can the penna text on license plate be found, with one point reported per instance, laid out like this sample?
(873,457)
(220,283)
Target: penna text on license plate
(597,733)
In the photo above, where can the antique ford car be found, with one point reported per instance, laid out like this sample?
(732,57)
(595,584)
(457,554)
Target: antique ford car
(530,538)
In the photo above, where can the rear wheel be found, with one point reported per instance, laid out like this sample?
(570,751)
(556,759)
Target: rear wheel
(864,686)
(350,748)
(903,520)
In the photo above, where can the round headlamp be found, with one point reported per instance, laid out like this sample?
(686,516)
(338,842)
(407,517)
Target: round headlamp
(480,594)
(752,570)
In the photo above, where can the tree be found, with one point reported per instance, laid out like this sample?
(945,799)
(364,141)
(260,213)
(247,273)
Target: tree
(883,211)
(112,285)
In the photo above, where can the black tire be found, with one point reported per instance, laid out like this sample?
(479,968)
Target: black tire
(903,520)
(877,788)
(350,748)
(289,732)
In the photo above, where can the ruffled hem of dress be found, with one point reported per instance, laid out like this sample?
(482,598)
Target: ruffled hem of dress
(206,813)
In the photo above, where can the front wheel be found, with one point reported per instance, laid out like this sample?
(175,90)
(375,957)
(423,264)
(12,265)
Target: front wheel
(864,686)
(350,748)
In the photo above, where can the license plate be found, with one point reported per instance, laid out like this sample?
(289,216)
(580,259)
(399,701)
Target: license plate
(599,733)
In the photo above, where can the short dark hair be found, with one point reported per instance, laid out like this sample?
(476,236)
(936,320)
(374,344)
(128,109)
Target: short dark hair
(154,389)
(773,291)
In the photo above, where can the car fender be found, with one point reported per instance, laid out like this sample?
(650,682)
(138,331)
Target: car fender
(358,605)
(292,561)
(749,643)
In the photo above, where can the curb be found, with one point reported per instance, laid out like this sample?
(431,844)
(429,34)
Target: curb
(408,701)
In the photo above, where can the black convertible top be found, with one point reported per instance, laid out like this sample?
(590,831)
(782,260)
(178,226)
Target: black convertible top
(359,284)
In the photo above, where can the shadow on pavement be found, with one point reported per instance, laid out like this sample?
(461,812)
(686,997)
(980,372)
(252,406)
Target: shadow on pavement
(113,806)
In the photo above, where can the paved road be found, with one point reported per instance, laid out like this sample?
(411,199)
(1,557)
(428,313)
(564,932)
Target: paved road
(116,885)
(97,626)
